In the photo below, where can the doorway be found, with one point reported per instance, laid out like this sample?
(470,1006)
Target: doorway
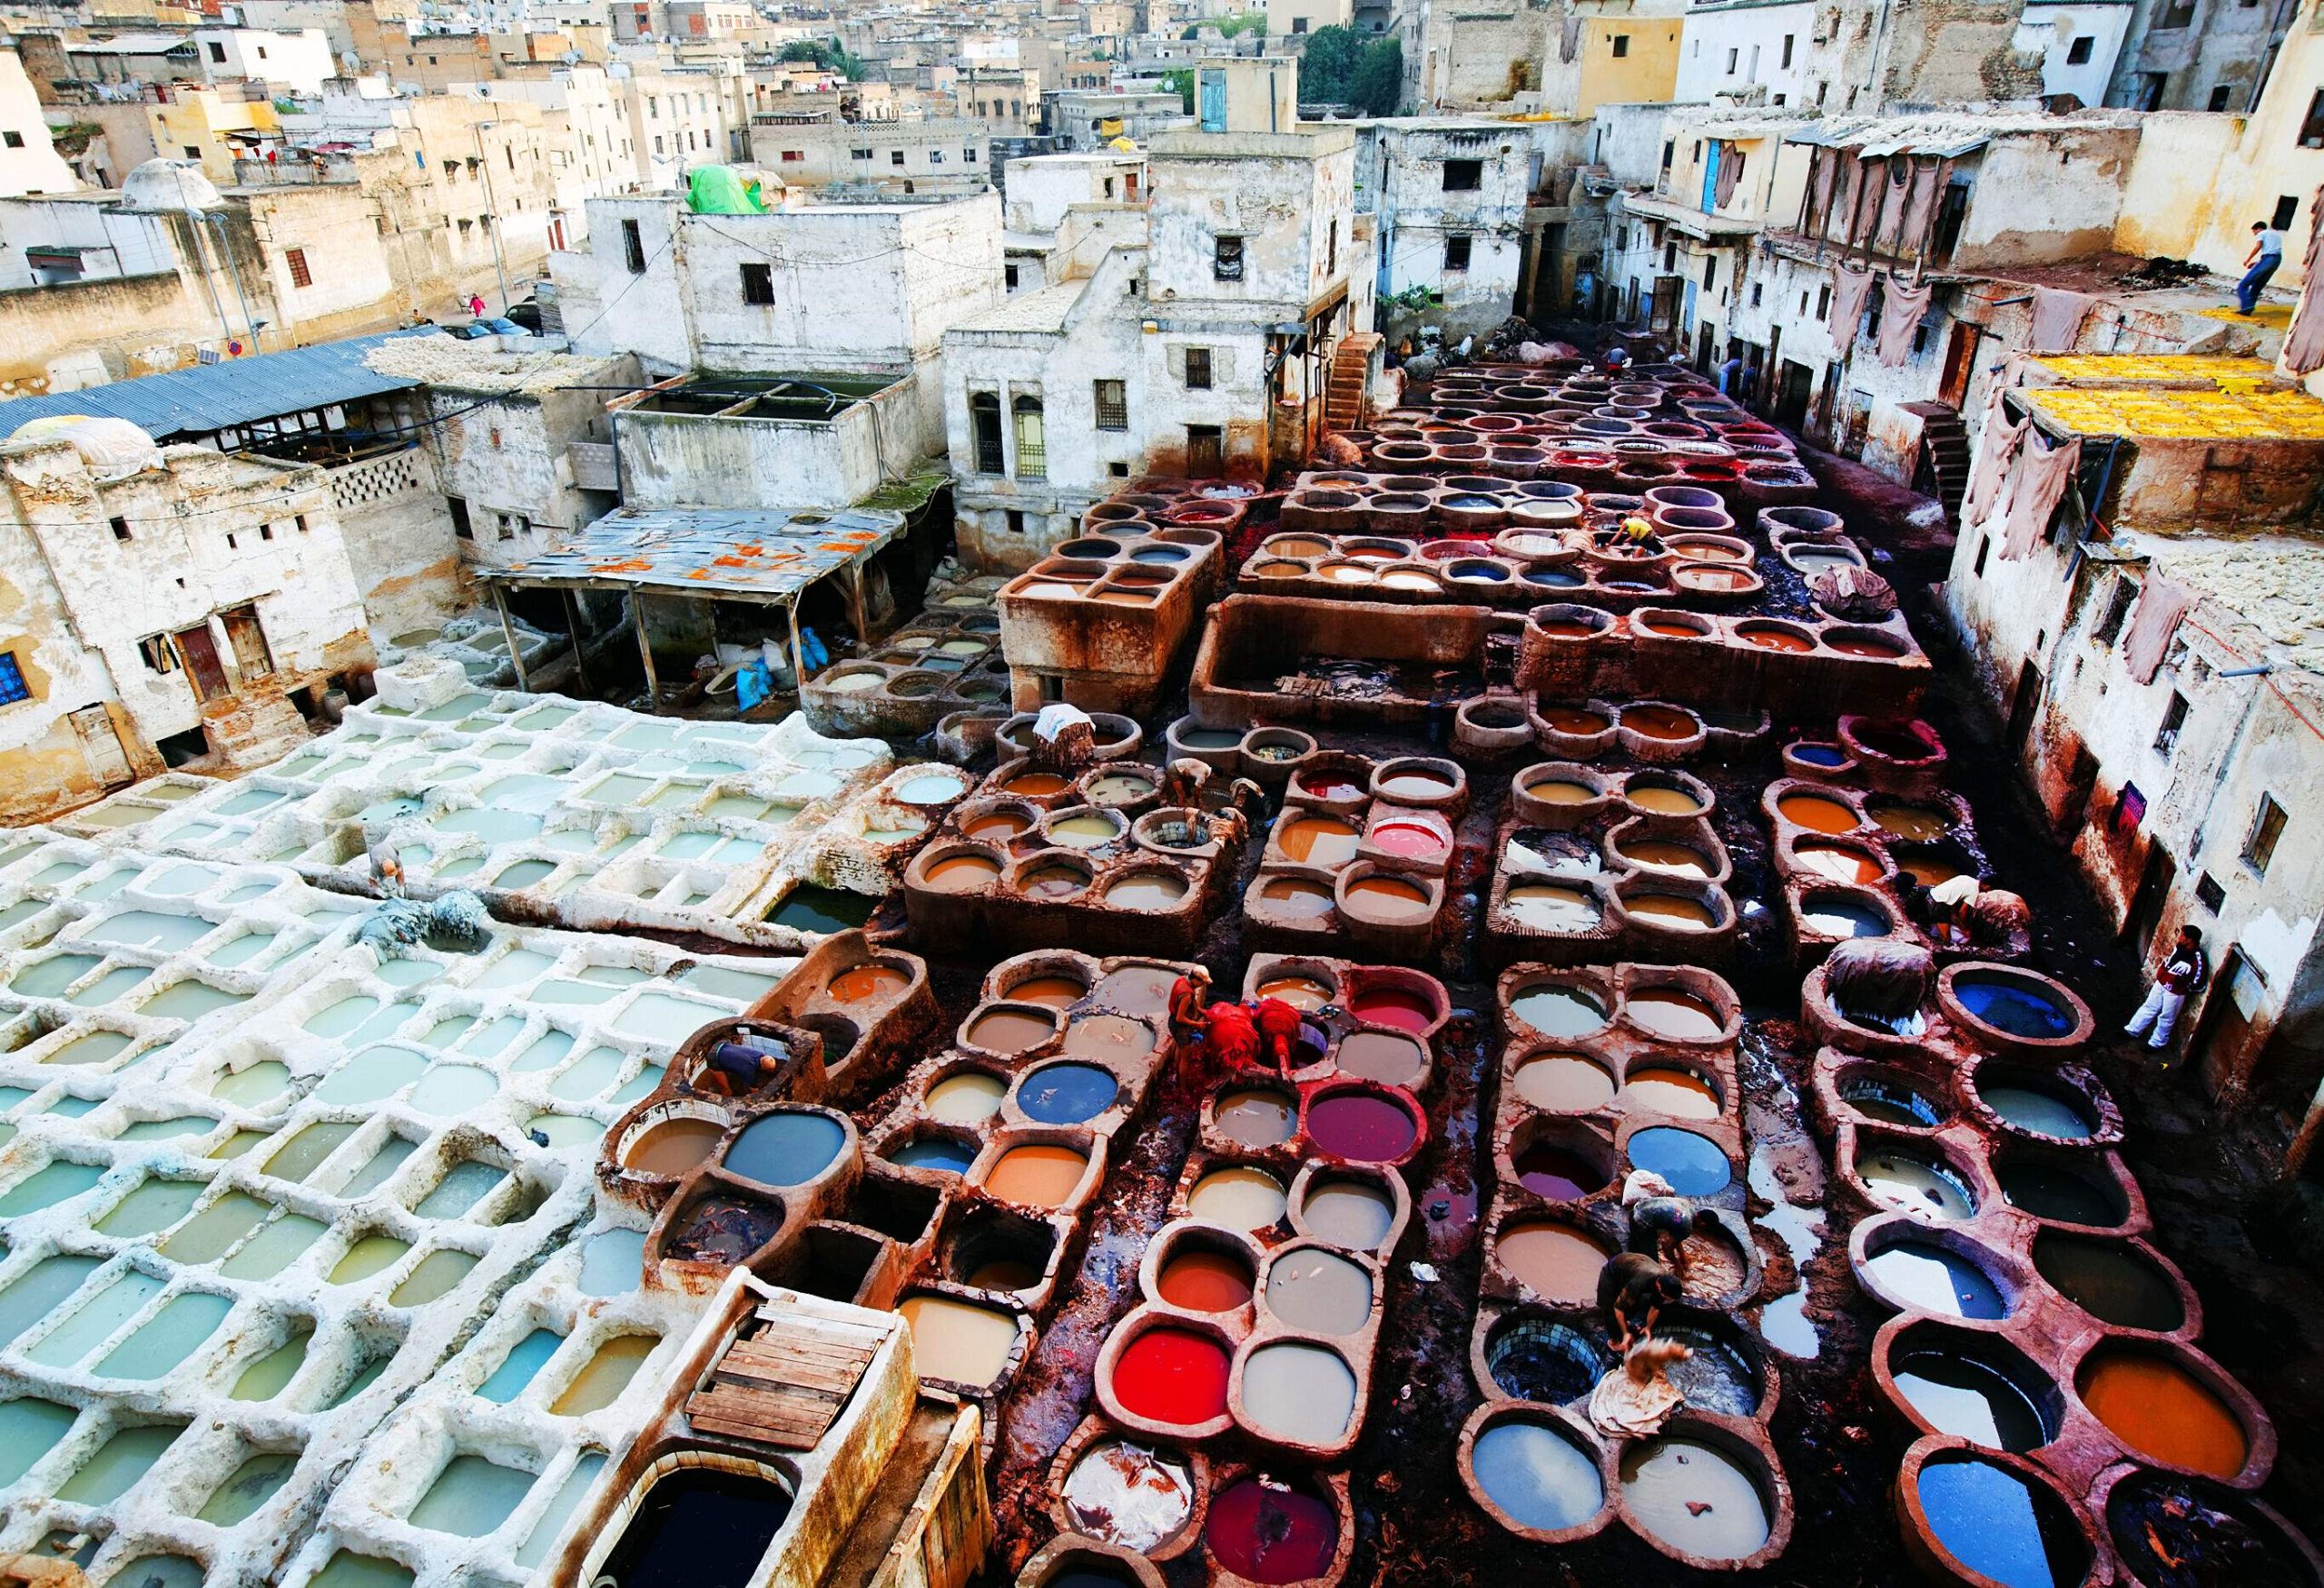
(1960,366)
(200,651)
(2219,1036)
(2147,902)
(1206,452)
(1668,291)
(1792,394)
(101,746)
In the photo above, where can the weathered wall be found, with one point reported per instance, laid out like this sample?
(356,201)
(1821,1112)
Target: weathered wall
(2222,45)
(2046,197)
(671,458)
(84,333)
(400,541)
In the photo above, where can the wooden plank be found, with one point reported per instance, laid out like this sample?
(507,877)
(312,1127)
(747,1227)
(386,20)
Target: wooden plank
(833,1386)
(838,1375)
(819,1350)
(773,1412)
(783,1441)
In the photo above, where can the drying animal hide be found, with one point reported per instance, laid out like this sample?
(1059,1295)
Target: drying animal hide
(2057,319)
(1850,288)
(1878,976)
(1638,1397)
(2303,349)
(1854,594)
(2161,604)
(1995,452)
(1900,317)
(2044,473)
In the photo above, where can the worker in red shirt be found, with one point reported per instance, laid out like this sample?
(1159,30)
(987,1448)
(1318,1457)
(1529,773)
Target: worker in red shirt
(1279,1025)
(1233,1043)
(1189,1023)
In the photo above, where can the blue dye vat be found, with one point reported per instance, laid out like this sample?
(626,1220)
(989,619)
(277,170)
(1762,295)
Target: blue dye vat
(2014,1006)
(1066,1094)
(785,1150)
(940,1153)
(1985,1517)
(1693,1163)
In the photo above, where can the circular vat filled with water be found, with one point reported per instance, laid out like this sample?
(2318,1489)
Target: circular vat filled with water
(1971,1384)
(1357,1123)
(1699,1492)
(1531,1355)
(1993,1519)
(2167,1404)
(1888,1095)
(1535,1473)
(1065,1092)
(1934,1269)
(2116,1281)
(2012,1008)
(1693,1163)
(1912,1177)
(2061,1188)
(789,1146)
(1560,1160)
(2038,1103)
(2175,1531)
(1275,1527)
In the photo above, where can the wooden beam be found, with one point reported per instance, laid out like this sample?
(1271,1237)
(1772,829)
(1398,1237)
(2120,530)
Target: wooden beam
(573,628)
(645,651)
(508,631)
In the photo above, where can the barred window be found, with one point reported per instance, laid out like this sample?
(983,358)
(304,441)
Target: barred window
(1113,405)
(1032,448)
(12,688)
(297,259)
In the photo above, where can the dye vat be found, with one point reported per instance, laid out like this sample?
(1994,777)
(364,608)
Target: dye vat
(1319,1292)
(1936,1279)
(2040,1110)
(1350,1213)
(698,1527)
(1818,812)
(673,1146)
(1237,1197)
(965,874)
(1557,1173)
(1394,1006)
(1389,1058)
(1388,899)
(1557,1262)
(1680,1094)
(867,984)
(1266,1530)
(2013,1005)
(1564,1083)
(1146,890)
(1300,1394)
(1890,1102)
(1556,907)
(1837,863)
(1174,1377)
(1695,1497)
(969,1097)
(1831,915)
(1255,1116)
(1666,1012)
(962,1341)
(1128,1494)
(786,1148)
(1913,1183)
(1995,1523)
(1694,1165)
(2110,1280)
(1040,1174)
(1716,1377)
(2174,1532)
(2054,1191)
(1011,1031)
(1204,1279)
(1295,897)
(1361,1127)
(605,1375)
(520,1367)
(1109,1036)
(1048,991)
(30,1428)
(1536,1473)
(1321,841)
(1917,822)
(1539,1359)
(471,1497)
(1958,1389)
(1067,1093)
(1555,1010)
(726,1230)
(1302,992)
(929,1151)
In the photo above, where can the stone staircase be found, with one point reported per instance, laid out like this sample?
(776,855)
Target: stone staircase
(1944,449)
(1346,390)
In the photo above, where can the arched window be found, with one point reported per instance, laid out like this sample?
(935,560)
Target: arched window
(984,425)
(1032,451)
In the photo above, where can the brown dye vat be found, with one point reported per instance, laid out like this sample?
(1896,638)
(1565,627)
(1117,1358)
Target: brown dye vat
(1659,722)
(1009,1031)
(1388,1057)
(1928,870)
(1137,989)
(1201,1280)
(1389,898)
(1836,864)
(1324,841)
(1302,992)
(994,825)
(1146,890)
(1051,991)
(1552,907)
(1567,628)
(1109,1036)
(1713,578)
(1850,646)
(1564,1083)
(1558,790)
(1664,855)
(1255,1116)
(1038,1175)
(1662,799)
(962,873)
(1669,909)
(1680,1094)
(1574,720)
(1672,628)
(867,984)
(1417,782)
(1768,638)
(673,1147)
(1054,881)
(1919,822)
(2160,1410)
(1036,784)
(1668,1012)
(1557,1262)
(1817,813)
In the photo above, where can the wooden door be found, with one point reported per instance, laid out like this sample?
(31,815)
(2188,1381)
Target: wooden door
(199,651)
(1960,364)
(2023,705)
(100,745)
(252,660)
(1664,320)
(2217,1040)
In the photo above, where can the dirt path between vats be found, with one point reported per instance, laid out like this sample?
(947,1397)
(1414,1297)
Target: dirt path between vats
(2264,1321)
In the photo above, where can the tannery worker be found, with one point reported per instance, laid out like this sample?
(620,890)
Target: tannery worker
(2183,973)
(731,1070)
(1233,1043)
(1639,538)
(1633,1291)
(1279,1026)
(1189,1020)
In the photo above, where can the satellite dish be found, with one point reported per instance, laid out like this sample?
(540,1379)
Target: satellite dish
(169,187)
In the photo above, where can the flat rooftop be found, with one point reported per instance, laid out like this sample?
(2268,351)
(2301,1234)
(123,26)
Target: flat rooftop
(809,399)
(2161,415)
(732,553)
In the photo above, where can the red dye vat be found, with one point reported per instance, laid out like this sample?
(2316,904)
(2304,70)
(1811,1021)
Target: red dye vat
(1173,1376)
(1361,1127)
(1408,838)
(1329,786)
(1393,1006)
(1203,1281)
(1269,1533)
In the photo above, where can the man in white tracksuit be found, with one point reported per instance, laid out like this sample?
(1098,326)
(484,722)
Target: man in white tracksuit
(2180,976)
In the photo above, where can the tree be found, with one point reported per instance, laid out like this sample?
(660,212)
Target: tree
(829,54)
(1341,66)
(1378,78)
(1183,81)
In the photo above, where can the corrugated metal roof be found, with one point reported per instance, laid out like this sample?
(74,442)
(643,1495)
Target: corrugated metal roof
(203,398)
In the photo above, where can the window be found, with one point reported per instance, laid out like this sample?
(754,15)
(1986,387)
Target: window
(1197,369)
(1463,176)
(2178,13)
(2287,207)
(1711,271)
(657,142)
(1206,452)
(1732,58)
(459,510)
(1757,290)
(2220,95)
(2174,717)
(2311,130)
(793,156)
(895,157)
(1227,259)
(12,138)
(1032,448)
(1117,469)
(633,247)
(1008,277)
(266,531)
(859,153)
(1016,520)
(300,520)
(1331,249)
(217,51)
(159,656)
(120,528)
(1669,256)
(1622,45)
(1669,147)
(1457,253)
(984,425)
(12,688)
(1977,568)
(1113,405)
(1787,49)
(758,283)
(296,258)
(969,155)
(1299,25)
(2078,52)
(2267,827)
(2118,609)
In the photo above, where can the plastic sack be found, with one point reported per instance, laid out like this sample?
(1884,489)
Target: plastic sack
(717,190)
